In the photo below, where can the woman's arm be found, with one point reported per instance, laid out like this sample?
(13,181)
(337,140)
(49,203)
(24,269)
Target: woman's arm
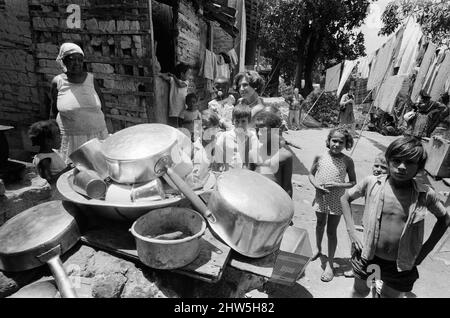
(100,95)
(285,167)
(54,99)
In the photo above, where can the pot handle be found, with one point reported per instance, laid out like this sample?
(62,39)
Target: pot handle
(190,194)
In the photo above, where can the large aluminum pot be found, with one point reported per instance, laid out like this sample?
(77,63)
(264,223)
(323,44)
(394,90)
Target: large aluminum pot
(144,152)
(251,211)
(89,156)
(131,154)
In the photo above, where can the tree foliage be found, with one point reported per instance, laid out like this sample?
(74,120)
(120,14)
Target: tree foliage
(304,34)
(432,15)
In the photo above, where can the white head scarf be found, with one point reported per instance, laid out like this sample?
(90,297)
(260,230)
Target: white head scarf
(65,50)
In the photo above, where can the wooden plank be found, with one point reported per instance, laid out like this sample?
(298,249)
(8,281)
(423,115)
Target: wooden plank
(295,244)
(208,266)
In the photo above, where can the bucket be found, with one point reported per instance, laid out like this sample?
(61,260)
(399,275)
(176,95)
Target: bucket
(168,238)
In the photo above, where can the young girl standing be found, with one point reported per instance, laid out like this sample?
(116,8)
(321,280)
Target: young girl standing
(327,175)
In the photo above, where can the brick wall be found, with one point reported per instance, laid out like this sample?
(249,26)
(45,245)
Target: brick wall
(19,100)
(191,43)
(223,42)
(117,44)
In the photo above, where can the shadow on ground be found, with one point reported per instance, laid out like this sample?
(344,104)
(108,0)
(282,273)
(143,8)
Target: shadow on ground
(280,291)
(297,166)
(341,265)
(378,145)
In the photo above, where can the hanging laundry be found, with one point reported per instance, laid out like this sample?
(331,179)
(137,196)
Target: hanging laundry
(390,90)
(207,65)
(222,69)
(382,64)
(442,76)
(409,48)
(397,48)
(233,56)
(433,71)
(348,68)
(363,64)
(425,65)
(332,78)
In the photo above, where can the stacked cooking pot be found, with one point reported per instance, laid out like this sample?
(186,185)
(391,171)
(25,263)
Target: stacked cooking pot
(246,210)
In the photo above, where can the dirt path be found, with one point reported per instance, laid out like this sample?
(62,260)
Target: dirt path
(434,273)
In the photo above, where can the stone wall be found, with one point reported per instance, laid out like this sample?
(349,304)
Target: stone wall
(223,42)
(118,50)
(19,98)
(191,43)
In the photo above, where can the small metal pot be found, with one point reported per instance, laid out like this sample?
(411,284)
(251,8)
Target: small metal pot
(168,253)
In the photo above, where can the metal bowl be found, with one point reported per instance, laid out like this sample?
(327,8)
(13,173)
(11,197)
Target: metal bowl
(168,253)
(112,210)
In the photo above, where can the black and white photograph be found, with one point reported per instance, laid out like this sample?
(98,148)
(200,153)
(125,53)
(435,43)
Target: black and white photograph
(224,156)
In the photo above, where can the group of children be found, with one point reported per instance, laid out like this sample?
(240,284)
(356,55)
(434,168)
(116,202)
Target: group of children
(230,138)
(393,221)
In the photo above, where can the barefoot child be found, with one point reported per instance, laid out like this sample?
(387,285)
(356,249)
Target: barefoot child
(191,114)
(237,148)
(47,136)
(274,161)
(327,175)
(203,149)
(379,167)
(223,104)
(394,215)
(178,91)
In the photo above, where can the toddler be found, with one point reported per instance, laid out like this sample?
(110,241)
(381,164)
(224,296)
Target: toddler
(237,148)
(48,163)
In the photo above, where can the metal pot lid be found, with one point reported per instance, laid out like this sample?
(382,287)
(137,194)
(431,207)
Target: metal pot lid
(255,196)
(139,141)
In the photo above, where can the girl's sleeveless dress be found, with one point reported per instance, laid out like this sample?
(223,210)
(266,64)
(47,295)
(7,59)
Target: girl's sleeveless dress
(330,169)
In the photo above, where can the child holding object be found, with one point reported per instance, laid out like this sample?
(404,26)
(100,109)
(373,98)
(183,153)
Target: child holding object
(237,148)
(223,103)
(203,149)
(394,217)
(327,175)
(48,163)
(178,91)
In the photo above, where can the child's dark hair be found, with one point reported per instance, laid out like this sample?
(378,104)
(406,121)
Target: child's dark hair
(347,137)
(210,117)
(290,99)
(41,130)
(181,68)
(269,119)
(407,148)
(190,97)
(241,111)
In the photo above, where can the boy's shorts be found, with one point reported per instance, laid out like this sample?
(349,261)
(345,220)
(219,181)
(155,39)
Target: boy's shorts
(401,281)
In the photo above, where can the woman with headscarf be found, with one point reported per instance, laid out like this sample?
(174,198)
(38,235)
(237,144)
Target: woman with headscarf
(76,102)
